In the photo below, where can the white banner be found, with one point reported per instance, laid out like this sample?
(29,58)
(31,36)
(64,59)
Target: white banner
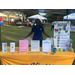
(62,34)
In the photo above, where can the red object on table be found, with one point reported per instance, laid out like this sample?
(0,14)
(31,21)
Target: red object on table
(1,19)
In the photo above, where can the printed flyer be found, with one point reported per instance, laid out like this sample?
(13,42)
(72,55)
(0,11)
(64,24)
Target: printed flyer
(12,47)
(4,47)
(46,45)
(35,45)
(23,45)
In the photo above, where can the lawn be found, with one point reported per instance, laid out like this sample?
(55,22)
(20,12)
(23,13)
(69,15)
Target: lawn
(14,33)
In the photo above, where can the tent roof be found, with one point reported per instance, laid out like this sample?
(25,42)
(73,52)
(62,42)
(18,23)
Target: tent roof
(3,15)
(37,17)
(70,16)
(12,16)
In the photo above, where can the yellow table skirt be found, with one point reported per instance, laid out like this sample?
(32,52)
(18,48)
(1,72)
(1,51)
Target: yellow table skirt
(33,58)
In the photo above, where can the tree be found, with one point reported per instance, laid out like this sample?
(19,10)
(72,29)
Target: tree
(54,17)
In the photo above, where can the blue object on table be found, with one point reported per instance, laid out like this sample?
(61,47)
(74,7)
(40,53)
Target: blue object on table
(54,49)
(64,50)
(1,23)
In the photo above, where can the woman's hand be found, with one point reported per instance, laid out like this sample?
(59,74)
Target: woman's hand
(49,37)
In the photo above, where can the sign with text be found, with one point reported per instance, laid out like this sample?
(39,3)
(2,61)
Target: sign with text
(46,45)
(4,47)
(12,47)
(23,45)
(35,45)
(62,34)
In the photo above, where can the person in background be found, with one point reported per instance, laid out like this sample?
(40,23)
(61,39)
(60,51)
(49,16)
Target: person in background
(38,30)
(1,19)
(44,22)
(74,24)
(12,20)
(52,25)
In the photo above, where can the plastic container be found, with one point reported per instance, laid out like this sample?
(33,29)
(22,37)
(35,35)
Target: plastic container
(1,23)
(61,50)
(54,49)
(64,50)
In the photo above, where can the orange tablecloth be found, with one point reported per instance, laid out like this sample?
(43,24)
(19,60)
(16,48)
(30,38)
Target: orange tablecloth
(32,58)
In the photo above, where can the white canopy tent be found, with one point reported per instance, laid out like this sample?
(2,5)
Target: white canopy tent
(37,17)
(3,15)
(70,16)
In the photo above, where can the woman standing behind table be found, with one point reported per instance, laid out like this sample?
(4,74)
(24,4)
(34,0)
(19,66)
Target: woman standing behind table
(38,30)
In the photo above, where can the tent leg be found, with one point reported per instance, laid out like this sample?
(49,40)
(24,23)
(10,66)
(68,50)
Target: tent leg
(23,18)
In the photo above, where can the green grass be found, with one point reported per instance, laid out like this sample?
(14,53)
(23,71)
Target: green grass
(14,33)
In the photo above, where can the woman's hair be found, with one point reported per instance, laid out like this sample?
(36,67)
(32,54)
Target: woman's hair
(37,20)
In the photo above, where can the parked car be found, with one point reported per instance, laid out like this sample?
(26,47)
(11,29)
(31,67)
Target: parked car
(19,22)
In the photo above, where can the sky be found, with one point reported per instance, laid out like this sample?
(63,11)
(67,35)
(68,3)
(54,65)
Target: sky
(42,14)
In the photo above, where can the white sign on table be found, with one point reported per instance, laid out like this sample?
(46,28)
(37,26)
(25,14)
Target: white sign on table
(35,45)
(4,47)
(46,46)
(12,47)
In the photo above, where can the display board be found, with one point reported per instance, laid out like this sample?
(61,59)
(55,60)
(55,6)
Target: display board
(23,45)
(35,45)
(4,47)
(62,34)
(12,47)
(46,46)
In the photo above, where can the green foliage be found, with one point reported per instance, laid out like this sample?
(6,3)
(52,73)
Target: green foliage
(10,12)
(54,17)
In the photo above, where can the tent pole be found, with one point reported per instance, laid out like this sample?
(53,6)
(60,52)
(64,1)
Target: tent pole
(0,40)
(23,17)
(67,14)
